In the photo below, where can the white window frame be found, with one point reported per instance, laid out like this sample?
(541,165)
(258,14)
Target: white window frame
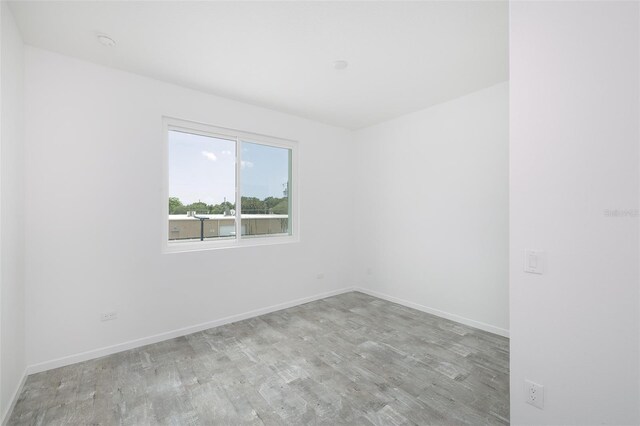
(170,123)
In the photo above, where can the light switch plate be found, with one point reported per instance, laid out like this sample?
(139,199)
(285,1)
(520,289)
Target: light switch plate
(535,261)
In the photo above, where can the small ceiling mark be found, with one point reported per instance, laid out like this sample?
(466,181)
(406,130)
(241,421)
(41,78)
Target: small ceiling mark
(340,65)
(106,40)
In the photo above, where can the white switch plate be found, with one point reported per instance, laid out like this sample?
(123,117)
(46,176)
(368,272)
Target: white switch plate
(534,394)
(535,261)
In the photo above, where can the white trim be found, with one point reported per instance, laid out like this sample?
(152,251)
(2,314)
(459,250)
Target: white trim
(453,317)
(14,399)
(253,241)
(237,136)
(108,350)
(238,202)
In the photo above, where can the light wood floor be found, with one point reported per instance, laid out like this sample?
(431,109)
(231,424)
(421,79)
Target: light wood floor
(348,359)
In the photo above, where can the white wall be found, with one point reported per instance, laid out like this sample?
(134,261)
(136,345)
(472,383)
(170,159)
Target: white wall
(573,155)
(431,208)
(94,162)
(12,324)
(431,198)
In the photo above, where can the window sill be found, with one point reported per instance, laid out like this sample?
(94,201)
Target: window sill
(256,241)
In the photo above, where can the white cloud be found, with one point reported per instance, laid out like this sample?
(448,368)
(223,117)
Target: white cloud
(247,164)
(210,155)
(227,152)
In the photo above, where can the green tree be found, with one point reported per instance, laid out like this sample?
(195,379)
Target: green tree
(271,202)
(282,207)
(250,205)
(198,207)
(176,206)
(253,205)
(222,207)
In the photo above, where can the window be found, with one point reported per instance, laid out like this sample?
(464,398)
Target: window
(227,188)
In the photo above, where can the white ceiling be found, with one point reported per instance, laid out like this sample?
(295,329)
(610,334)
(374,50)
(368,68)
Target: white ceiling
(403,56)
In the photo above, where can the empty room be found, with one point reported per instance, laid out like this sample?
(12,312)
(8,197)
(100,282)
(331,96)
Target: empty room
(319,212)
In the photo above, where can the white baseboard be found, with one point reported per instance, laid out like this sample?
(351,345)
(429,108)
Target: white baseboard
(108,350)
(14,399)
(453,317)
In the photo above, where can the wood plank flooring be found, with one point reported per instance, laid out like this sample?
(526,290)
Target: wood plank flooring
(349,359)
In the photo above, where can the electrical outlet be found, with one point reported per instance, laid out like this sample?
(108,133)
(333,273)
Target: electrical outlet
(534,394)
(109,316)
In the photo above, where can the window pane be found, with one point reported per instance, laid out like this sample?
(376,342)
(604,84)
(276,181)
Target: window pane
(202,182)
(265,176)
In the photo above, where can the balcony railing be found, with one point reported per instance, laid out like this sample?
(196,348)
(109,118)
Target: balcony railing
(214,226)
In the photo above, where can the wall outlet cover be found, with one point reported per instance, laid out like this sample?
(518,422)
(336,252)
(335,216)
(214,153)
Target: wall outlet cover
(534,394)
